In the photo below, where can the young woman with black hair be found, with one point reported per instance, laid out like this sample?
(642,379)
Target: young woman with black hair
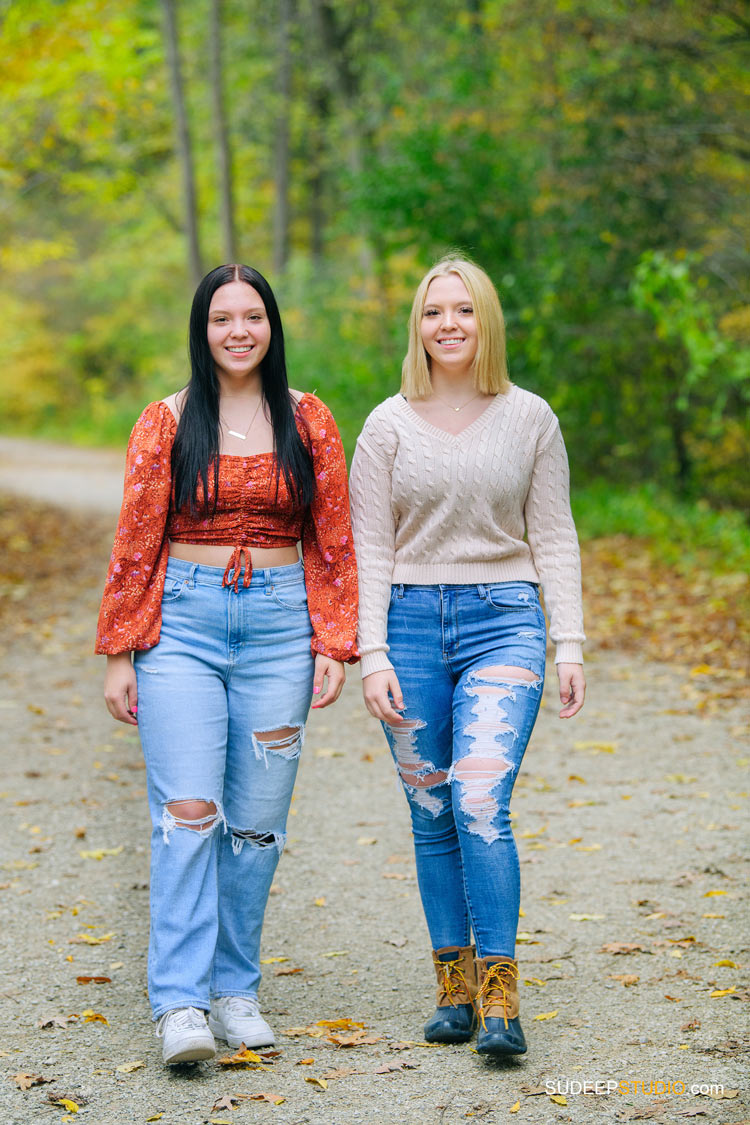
(217,638)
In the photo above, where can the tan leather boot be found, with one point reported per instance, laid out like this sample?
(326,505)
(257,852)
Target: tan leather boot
(497,1003)
(454,1018)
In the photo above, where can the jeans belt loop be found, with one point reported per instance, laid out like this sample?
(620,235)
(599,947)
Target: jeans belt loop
(191,576)
(268,588)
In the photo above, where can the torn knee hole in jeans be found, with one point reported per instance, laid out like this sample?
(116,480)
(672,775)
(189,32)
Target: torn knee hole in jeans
(286,741)
(259,840)
(417,775)
(192,813)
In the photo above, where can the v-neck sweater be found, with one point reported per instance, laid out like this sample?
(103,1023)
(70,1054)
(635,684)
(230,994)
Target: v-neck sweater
(489,504)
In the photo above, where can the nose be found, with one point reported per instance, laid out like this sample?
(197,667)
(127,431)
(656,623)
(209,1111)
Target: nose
(239,328)
(448,319)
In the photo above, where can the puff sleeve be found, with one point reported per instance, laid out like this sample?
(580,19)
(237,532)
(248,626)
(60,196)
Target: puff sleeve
(327,543)
(130,614)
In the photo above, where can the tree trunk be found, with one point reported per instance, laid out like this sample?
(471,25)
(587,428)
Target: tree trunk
(281,140)
(184,151)
(223,150)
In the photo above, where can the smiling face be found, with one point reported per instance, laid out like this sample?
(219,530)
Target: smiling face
(239,332)
(448,326)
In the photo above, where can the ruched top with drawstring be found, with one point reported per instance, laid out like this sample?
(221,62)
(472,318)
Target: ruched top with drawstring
(250,512)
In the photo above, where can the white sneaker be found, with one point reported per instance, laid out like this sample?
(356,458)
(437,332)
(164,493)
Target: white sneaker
(186,1036)
(237,1019)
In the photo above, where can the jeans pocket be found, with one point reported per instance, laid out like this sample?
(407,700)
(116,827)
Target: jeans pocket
(512,597)
(174,588)
(291,596)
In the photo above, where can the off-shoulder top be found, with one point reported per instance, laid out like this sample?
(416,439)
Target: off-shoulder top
(250,513)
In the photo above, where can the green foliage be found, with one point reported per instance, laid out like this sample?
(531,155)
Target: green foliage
(681,534)
(588,153)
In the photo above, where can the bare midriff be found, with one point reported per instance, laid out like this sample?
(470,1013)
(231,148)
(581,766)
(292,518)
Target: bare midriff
(215,554)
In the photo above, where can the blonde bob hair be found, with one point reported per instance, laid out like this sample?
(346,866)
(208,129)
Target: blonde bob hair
(490,366)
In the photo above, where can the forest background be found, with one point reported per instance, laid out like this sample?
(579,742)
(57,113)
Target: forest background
(591,155)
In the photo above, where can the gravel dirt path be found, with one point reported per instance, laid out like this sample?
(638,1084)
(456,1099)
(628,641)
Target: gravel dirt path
(633,952)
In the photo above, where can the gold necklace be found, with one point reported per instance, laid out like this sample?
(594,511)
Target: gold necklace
(235,433)
(456,409)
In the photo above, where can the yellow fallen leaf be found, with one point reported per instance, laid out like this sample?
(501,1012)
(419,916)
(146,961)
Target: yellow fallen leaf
(90,1016)
(558,1099)
(574,840)
(321,1082)
(515,1107)
(717,992)
(521,912)
(367,841)
(526,939)
(272,960)
(220,1120)
(320,901)
(535,980)
(725,964)
(155,1117)
(713,915)
(713,894)
(533,835)
(588,847)
(89,939)
(99,853)
(66,1103)
(596,747)
(337,953)
(128,1068)
(585,917)
(576,777)
(546,1015)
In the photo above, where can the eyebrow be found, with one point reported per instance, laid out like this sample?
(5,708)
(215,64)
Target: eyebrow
(226,312)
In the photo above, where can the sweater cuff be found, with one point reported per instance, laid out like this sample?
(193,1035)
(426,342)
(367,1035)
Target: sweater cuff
(569,652)
(375,662)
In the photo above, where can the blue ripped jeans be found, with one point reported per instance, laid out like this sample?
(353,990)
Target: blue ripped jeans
(460,748)
(229,667)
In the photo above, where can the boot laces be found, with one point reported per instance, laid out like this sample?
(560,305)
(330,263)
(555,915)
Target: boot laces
(496,988)
(452,980)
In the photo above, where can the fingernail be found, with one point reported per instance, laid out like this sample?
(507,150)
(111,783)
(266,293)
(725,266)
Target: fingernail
(316,691)
(135,710)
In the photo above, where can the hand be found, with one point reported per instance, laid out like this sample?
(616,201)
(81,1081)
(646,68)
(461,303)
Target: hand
(572,688)
(334,671)
(383,697)
(121,688)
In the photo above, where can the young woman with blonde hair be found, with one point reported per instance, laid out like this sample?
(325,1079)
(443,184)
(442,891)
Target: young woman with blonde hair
(460,511)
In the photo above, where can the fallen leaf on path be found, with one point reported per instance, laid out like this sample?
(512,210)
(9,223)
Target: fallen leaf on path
(155,1117)
(719,1095)
(319,1082)
(94,980)
(319,902)
(337,953)
(386,1068)
(304,1062)
(515,1107)
(273,1099)
(356,1039)
(89,939)
(627,979)
(287,971)
(128,1068)
(586,917)
(367,841)
(395,875)
(99,853)
(622,947)
(272,960)
(535,981)
(25,1081)
(596,747)
(546,1015)
(721,992)
(558,1099)
(90,1016)
(243,1057)
(725,964)
(225,1102)
(693,1025)
(66,1103)
(714,894)
(53,1021)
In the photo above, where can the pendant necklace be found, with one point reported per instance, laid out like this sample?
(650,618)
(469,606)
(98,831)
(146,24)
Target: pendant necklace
(456,409)
(235,433)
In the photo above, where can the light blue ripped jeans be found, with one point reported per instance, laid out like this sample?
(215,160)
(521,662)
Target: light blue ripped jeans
(230,670)
(460,748)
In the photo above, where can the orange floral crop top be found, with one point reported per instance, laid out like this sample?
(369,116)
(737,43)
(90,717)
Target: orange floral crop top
(250,513)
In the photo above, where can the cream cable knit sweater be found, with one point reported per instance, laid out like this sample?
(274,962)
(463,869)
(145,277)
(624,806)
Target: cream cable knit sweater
(429,507)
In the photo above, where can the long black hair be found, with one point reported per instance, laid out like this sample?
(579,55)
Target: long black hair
(196,444)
